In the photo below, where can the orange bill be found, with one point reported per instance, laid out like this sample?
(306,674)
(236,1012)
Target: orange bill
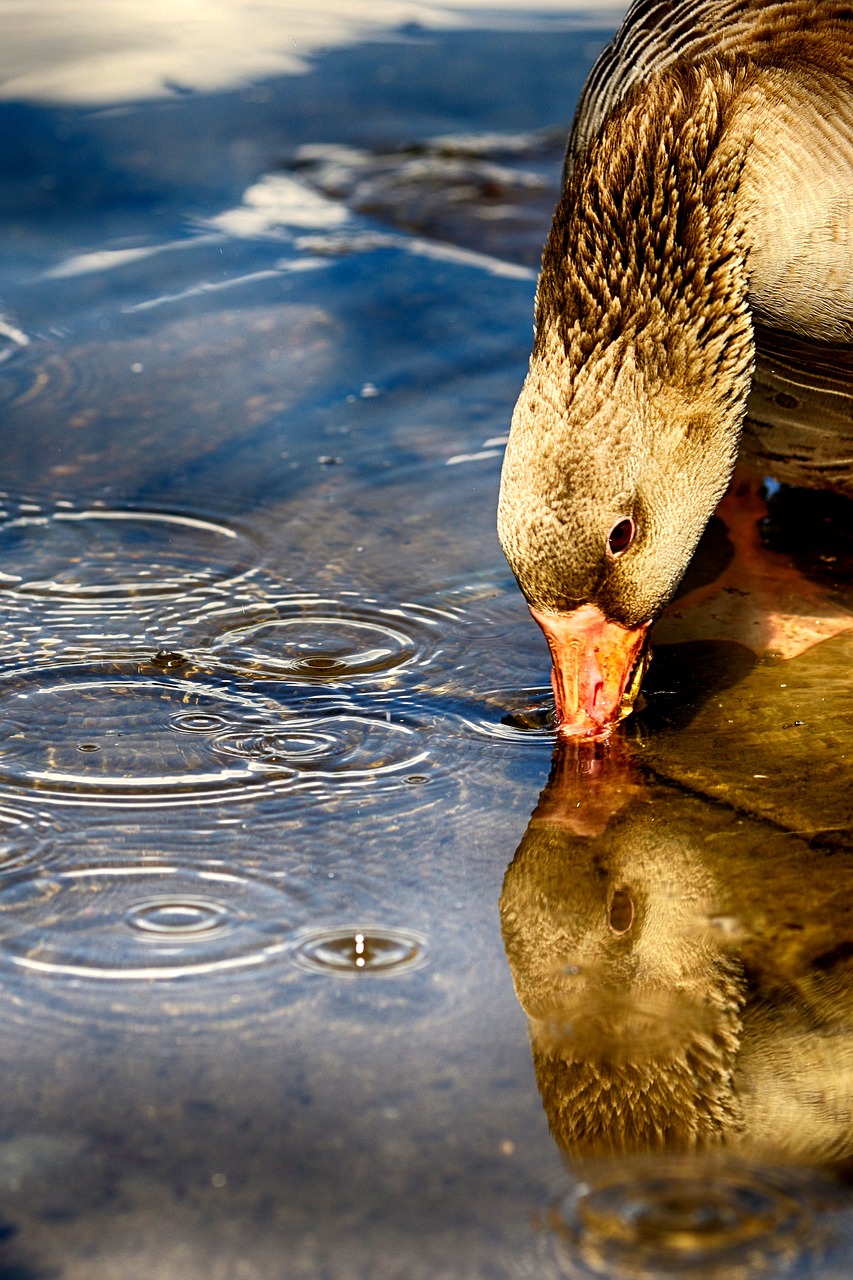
(597,668)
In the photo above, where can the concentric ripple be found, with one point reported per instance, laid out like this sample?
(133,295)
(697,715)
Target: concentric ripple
(355,745)
(100,732)
(24,837)
(317,641)
(355,951)
(101,554)
(170,917)
(678,1219)
(137,922)
(520,717)
(118,733)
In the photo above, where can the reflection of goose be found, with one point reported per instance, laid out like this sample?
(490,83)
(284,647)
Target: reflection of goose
(673,1002)
(707,219)
(633,1006)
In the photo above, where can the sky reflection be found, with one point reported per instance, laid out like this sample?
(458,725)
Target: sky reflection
(106,52)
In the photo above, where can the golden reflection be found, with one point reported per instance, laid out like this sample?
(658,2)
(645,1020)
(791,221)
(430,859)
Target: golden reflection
(685,972)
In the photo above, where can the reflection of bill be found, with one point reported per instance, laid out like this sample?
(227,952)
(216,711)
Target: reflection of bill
(684,972)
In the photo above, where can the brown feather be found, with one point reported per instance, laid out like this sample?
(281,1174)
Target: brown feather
(710,193)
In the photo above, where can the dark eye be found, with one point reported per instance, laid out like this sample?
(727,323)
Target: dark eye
(621,536)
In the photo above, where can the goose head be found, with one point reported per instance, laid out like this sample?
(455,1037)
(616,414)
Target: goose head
(627,428)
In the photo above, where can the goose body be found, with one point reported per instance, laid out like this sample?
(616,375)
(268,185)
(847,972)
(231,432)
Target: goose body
(695,302)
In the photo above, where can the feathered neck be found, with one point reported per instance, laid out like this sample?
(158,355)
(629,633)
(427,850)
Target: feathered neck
(646,251)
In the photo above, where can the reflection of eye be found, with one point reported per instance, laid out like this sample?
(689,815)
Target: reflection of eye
(621,536)
(620,915)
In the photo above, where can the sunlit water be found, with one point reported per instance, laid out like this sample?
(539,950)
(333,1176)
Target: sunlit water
(316,958)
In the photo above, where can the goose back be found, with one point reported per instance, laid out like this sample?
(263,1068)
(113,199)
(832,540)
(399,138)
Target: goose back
(799,186)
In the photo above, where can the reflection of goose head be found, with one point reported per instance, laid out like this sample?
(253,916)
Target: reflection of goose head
(633,1006)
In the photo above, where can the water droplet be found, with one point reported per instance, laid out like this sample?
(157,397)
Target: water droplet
(360,951)
(133,922)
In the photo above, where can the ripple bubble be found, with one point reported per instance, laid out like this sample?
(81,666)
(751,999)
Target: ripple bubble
(198,722)
(171,918)
(99,554)
(356,950)
(137,922)
(317,649)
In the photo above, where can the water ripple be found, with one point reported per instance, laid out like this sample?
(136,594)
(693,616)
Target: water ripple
(312,640)
(114,732)
(674,1217)
(98,554)
(357,745)
(141,922)
(518,717)
(25,837)
(360,950)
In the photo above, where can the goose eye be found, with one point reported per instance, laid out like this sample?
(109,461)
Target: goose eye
(621,536)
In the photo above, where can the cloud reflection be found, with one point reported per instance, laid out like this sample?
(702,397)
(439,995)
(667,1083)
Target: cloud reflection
(103,51)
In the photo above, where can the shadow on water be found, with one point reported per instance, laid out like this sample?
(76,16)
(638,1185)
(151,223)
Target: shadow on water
(273,716)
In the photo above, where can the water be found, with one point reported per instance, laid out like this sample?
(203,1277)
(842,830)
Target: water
(317,956)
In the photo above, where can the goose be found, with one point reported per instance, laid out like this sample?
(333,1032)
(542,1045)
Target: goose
(694,307)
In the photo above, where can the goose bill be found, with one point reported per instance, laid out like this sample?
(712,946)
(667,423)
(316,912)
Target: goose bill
(598,666)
